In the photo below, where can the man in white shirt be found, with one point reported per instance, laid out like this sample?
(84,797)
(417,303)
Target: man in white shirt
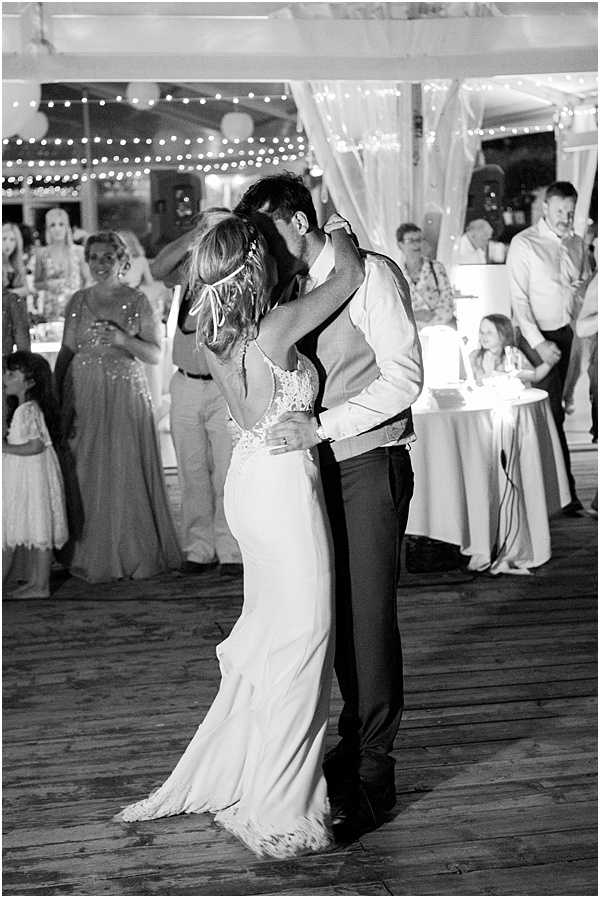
(199,428)
(369,361)
(547,265)
(472,249)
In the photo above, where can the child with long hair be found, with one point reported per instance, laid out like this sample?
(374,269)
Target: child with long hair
(498,353)
(33,504)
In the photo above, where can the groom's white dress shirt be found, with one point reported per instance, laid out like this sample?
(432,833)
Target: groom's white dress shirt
(383,313)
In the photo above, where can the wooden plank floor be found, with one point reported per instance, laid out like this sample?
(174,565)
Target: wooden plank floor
(496,755)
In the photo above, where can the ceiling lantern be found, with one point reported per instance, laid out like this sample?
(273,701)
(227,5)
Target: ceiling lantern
(237,126)
(20,99)
(143,94)
(35,127)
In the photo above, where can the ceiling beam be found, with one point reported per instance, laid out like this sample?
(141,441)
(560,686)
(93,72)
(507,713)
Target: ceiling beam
(189,48)
(160,68)
(552,96)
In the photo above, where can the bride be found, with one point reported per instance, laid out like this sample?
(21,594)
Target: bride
(256,759)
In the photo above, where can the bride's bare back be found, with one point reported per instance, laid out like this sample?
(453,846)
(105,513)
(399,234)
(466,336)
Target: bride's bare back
(246,381)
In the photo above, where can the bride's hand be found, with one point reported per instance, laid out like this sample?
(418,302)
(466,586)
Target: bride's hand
(335,222)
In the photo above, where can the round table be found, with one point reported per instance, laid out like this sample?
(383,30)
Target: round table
(487,479)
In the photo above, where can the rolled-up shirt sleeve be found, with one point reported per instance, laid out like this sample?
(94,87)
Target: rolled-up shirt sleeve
(381,309)
(518,265)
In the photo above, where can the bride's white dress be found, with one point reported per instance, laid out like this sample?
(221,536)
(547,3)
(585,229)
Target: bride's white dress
(256,759)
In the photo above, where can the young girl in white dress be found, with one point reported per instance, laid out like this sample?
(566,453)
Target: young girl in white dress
(256,759)
(33,504)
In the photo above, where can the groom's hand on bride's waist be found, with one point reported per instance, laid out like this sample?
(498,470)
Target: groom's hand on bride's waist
(294,430)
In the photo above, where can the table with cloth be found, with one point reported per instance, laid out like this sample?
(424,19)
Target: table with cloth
(487,477)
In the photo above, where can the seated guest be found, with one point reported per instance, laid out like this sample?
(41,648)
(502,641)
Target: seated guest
(473,244)
(498,353)
(430,289)
(110,332)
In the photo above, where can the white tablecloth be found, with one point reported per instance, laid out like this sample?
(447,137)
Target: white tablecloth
(487,479)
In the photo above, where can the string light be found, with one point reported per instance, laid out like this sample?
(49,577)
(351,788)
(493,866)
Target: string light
(509,130)
(161,140)
(285,147)
(168,98)
(37,181)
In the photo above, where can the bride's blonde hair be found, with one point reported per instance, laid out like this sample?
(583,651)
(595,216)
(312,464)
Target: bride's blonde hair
(227,282)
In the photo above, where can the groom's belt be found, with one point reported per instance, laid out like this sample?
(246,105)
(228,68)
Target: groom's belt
(393,432)
(195,376)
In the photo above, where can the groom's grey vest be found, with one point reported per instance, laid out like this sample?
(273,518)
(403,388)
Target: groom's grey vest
(346,365)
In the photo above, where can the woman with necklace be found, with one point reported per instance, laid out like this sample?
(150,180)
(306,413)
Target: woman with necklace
(430,289)
(110,332)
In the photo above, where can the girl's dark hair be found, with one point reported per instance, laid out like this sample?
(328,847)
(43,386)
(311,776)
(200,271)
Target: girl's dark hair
(113,239)
(36,368)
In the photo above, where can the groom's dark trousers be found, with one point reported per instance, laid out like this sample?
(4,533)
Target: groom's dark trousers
(367,499)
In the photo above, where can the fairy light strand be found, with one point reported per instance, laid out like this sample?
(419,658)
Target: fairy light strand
(15,182)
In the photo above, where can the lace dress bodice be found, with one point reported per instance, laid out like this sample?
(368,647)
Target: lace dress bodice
(293,391)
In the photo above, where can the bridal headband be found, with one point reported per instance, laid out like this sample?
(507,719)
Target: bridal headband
(210,290)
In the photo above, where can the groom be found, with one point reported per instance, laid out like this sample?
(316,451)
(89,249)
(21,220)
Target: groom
(369,362)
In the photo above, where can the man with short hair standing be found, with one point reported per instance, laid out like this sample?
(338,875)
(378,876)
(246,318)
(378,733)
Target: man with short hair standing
(199,429)
(547,265)
(370,370)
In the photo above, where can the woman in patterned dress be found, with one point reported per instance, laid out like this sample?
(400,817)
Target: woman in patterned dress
(430,289)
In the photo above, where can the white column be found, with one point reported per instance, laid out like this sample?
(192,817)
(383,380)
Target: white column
(89,206)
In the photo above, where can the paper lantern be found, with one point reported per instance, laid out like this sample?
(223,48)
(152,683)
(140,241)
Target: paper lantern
(142,93)
(35,127)
(237,126)
(20,99)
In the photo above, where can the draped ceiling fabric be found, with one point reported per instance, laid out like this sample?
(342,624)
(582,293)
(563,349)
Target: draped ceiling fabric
(452,115)
(380,174)
(362,137)
(377,175)
(578,164)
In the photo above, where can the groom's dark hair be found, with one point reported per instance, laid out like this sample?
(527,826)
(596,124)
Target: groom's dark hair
(279,196)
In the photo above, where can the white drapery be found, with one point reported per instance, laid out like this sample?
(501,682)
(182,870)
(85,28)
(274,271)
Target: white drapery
(452,117)
(362,137)
(578,163)
(381,173)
